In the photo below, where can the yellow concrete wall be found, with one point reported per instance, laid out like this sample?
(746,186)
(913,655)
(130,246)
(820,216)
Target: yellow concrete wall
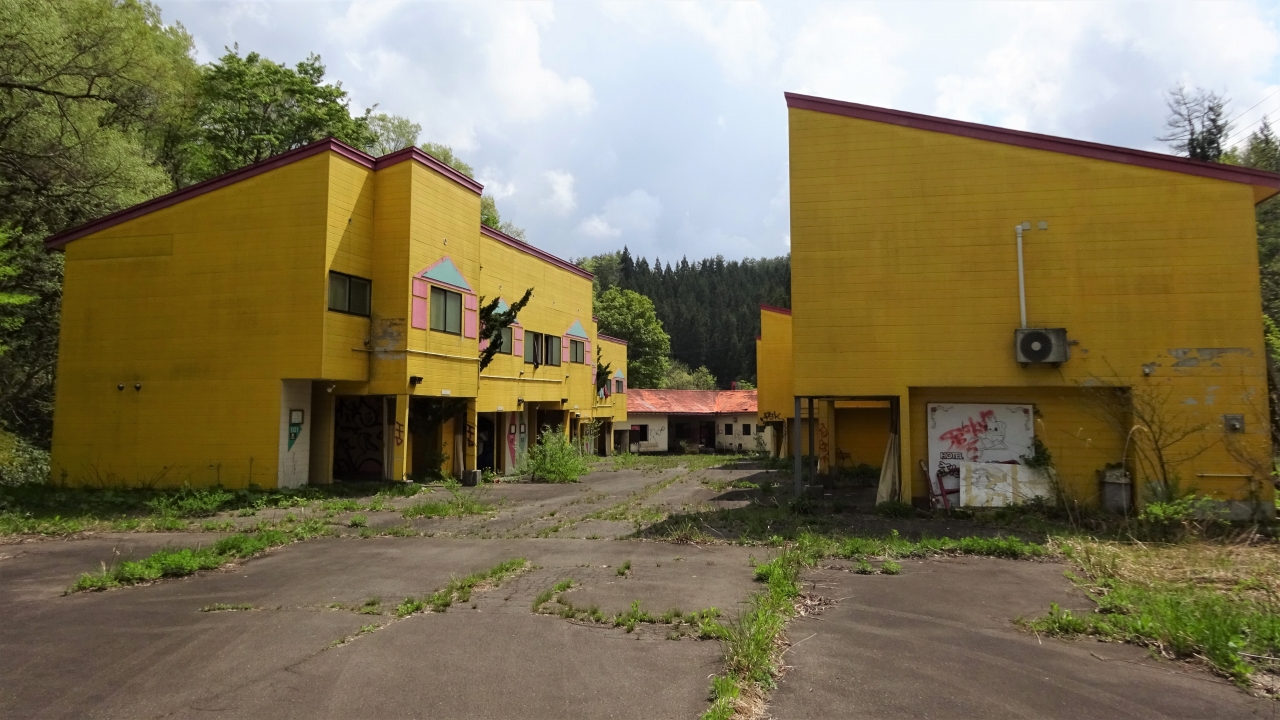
(349,249)
(774,375)
(560,297)
(614,407)
(445,222)
(863,433)
(207,304)
(904,276)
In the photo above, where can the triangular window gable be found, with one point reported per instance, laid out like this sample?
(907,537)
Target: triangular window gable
(576,330)
(446,273)
(502,306)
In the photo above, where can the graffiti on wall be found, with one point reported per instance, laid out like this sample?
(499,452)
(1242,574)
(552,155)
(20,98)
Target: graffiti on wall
(961,433)
(357,435)
(770,416)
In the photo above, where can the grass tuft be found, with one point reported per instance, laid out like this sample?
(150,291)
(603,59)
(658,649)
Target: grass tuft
(187,561)
(460,589)
(227,607)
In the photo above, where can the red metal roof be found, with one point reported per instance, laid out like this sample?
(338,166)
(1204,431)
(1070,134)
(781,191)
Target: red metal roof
(1267,183)
(690,402)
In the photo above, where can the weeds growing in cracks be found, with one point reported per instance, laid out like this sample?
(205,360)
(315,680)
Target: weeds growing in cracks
(458,504)
(186,561)
(460,589)
(753,643)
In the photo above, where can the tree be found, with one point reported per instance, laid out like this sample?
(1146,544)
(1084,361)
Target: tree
(1197,123)
(607,269)
(251,108)
(392,133)
(444,154)
(489,216)
(630,316)
(84,87)
(90,94)
(681,377)
(493,322)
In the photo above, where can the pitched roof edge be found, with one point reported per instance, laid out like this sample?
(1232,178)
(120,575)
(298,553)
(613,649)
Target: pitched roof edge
(158,203)
(301,153)
(416,153)
(610,338)
(523,246)
(1036,141)
(771,308)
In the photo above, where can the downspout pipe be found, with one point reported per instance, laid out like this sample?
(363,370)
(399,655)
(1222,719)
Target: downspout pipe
(1022,283)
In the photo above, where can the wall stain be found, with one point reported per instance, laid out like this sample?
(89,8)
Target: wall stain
(1192,357)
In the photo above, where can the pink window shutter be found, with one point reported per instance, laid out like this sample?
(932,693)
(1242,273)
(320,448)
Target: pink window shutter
(420,313)
(564,349)
(484,343)
(587,357)
(470,318)
(517,341)
(624,384)
(421,288)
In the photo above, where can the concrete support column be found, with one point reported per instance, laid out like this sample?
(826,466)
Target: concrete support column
(398,438)
(813,453)
(906,468)
(469,461)
(795,448)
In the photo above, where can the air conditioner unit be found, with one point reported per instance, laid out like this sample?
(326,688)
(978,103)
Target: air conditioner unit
(1040,345)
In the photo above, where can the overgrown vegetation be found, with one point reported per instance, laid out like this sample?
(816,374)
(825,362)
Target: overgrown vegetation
(1215,602)
(554,459)
(460,589)
(44,509)
(702,624)
(753,641)
(171,562)
(460,503)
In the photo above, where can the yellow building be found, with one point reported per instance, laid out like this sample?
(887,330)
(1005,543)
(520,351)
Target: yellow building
(312,317)
(960,291)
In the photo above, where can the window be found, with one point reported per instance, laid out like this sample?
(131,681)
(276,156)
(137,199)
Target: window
(349,294)
(533,348)
(728,428)
(746,429)
(552,351)
(506,345)
(617,386)
(577,351)
(639,433)
(446,311)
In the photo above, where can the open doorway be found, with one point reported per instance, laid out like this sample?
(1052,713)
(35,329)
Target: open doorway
(485,433)
(359,425)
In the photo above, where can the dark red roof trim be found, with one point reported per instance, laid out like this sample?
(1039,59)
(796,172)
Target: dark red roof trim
(771,308)
(526,247)
(414,153)
(1036,141)
(602,336)
(244,173)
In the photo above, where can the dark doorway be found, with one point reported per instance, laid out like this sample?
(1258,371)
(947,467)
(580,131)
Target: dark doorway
(550,420)
(484,443)
(358,427)
(707,434)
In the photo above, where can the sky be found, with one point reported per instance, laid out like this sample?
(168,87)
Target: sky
(662,126)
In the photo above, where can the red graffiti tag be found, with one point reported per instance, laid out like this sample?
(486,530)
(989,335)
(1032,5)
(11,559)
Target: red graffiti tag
(965,437)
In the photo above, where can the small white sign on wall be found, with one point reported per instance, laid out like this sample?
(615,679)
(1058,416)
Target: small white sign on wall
(976,433)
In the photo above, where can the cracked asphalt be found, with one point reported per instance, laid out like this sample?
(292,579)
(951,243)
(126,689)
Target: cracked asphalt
(937,641)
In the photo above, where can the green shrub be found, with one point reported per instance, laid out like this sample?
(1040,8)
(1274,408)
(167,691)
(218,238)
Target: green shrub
(895,509)
(21,463)
(189,502)
(554,459)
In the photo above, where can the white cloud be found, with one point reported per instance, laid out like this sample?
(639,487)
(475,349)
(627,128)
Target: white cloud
(563,199)
(634,214)
(844,52)
(513,53)
(493,181)
(740,35)
(599,228)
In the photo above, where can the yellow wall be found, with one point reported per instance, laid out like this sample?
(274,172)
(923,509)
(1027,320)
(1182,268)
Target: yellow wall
(904,276)
(210,303)
(207,304)
(773,366)
(560,297)
(614,407)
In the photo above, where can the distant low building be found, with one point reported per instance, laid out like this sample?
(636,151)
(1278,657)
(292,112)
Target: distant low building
(682,420)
